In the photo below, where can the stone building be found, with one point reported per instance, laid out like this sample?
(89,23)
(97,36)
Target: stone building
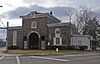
(39,30)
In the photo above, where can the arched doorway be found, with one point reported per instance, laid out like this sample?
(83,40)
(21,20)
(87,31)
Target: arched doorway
(33,40)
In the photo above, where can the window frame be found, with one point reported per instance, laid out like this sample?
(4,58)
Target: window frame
(33,24)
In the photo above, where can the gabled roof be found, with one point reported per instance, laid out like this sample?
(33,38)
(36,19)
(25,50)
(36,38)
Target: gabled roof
(35,14)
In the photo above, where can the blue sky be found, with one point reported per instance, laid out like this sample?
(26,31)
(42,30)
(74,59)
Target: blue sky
(12,9)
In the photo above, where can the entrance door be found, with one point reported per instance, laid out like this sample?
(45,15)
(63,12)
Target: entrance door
(33,40)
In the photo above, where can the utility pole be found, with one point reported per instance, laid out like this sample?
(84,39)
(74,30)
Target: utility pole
(7,36)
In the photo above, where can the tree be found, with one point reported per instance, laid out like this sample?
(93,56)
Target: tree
(70,14)
(83,15)
(88,25)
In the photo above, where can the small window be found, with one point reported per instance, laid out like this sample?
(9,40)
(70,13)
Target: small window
(57,31)
(33,24)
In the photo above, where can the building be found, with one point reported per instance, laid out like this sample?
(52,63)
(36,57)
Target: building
(81,40)
(39,30)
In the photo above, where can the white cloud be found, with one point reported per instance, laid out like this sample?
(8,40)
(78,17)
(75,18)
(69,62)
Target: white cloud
(12,5)
(49,3)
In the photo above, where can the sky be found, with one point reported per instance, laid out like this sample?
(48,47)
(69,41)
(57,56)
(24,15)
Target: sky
(12,9)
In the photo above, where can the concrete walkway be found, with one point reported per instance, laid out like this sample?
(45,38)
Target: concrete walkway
(2,48)
(3,54)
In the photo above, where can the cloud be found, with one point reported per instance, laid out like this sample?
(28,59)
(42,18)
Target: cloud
(49,3)
(62,12)
(58,11)
(13,14)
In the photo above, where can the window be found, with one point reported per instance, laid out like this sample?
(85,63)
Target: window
(57,31)
(14,38)
(57,41)
(33,24)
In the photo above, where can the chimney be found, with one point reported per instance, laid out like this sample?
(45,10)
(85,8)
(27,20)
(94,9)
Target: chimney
(51,12)
(34,12)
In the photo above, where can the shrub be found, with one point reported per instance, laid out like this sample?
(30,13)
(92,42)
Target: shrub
(12,47)
(83,47)
(61,47)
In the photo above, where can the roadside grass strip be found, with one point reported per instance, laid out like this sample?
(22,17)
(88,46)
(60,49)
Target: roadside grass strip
(63,60)
(2,57)
(18,60)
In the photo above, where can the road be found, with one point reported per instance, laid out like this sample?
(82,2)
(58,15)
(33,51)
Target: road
(64,59)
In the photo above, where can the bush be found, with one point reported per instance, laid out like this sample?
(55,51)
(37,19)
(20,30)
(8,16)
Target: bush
(83,47)
(61,47)
(12,47)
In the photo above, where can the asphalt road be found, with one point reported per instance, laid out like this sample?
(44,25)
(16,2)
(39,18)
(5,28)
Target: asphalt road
(65,59)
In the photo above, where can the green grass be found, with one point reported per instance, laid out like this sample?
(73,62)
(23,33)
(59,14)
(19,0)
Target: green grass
(42,52)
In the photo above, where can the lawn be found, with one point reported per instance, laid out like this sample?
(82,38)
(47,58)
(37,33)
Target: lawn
(42,52)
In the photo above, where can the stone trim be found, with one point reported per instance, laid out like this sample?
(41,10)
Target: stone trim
(34,32)
(58,24)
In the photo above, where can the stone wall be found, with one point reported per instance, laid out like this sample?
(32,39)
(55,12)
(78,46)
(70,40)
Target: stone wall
(65,33)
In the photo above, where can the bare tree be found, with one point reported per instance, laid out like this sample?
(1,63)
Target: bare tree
(88,25)
(70,14)
(82,17)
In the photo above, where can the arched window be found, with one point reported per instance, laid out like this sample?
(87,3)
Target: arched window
(57,31)
(57,38)
(33,24)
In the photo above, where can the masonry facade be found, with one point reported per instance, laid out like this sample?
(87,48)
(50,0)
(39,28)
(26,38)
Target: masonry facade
(40,30)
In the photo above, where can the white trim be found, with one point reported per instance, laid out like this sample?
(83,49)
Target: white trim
(57,34)
(56,19)
(2,57)
(63,60)
(60,41)
(33,32)
(25,45)
(58,24)
(18,60)
(57,29)
(54,41)
(14,38)
(29,35)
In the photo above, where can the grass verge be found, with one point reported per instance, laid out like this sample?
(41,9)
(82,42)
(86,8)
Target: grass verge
(42,52)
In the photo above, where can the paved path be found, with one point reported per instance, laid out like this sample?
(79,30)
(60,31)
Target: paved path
(2,48)
(91,59)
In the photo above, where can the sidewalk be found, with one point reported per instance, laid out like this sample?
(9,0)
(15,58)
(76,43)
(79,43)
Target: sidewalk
(3,54)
